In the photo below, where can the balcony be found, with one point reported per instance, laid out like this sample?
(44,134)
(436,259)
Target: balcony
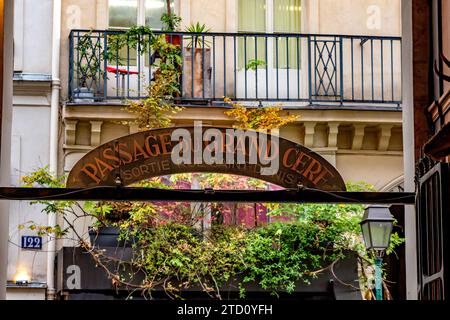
(438,115)
(298,70)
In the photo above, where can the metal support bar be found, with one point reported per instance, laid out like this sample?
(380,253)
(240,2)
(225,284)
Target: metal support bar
(302,195)
(378,278)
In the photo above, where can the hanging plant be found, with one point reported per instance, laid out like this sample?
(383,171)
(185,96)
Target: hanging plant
(157,109)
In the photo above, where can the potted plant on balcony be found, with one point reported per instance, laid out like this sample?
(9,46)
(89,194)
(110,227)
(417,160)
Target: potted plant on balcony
(171,22)
(197,63)
(105,232)
(88,67)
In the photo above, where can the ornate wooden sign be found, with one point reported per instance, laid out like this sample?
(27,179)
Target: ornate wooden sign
(160,152)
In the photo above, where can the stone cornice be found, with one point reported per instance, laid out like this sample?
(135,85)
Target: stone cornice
(31,88)
(105,112)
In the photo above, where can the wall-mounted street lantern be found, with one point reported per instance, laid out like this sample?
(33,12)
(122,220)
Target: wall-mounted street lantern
(376,228)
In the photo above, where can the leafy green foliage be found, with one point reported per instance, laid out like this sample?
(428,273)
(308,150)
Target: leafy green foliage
(171,21)
(254,64)
(139,38)
(175,256)
(43,178)
(279,255)
(91,53)
(198,41)
(172,252)
(157,109)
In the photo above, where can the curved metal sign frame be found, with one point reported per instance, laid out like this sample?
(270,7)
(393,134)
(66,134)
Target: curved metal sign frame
(168,151)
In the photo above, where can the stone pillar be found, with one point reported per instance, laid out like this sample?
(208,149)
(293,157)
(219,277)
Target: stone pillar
(6,58)
(408,146)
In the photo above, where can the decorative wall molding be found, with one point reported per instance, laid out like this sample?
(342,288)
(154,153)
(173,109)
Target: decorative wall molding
(384,137)
(96,131)
(333,130)
(358,136)
(310,130)
(70,131)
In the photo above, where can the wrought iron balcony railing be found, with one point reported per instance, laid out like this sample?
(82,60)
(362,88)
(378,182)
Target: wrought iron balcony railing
(298,69)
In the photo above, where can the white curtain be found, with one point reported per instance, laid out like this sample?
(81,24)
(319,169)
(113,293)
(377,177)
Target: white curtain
(287,19)
(252,18)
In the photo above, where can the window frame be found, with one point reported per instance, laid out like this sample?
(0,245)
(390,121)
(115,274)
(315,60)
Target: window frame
(270,29)
(270,16)
(140,15)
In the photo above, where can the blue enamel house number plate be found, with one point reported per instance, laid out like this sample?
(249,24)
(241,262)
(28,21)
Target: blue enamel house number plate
(31,242)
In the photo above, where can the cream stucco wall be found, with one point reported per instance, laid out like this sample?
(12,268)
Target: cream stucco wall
(28,16)
(362,17)
(6,19)
(368,165)
(30,130)
(377,170)
(27,156)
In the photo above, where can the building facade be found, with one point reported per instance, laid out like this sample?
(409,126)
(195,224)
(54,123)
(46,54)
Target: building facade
(6,66)
(431,93)
(30,135)
(335,64)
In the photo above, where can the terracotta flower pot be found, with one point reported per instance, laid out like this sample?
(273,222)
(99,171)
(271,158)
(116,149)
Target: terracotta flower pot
(197,73)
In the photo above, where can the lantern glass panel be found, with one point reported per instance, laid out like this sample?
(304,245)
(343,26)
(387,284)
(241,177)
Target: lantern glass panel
(380,232)
(366,235)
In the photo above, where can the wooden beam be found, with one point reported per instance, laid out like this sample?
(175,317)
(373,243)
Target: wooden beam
(438,147)
(302,195)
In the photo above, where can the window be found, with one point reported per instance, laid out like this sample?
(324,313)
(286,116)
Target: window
(127,13)
(287,16)
(271,16)
(252,15)
(124,14)
(252,18)
(287,19)
(154,9)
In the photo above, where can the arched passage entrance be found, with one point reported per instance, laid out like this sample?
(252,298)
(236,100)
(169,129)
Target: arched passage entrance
(204,149)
